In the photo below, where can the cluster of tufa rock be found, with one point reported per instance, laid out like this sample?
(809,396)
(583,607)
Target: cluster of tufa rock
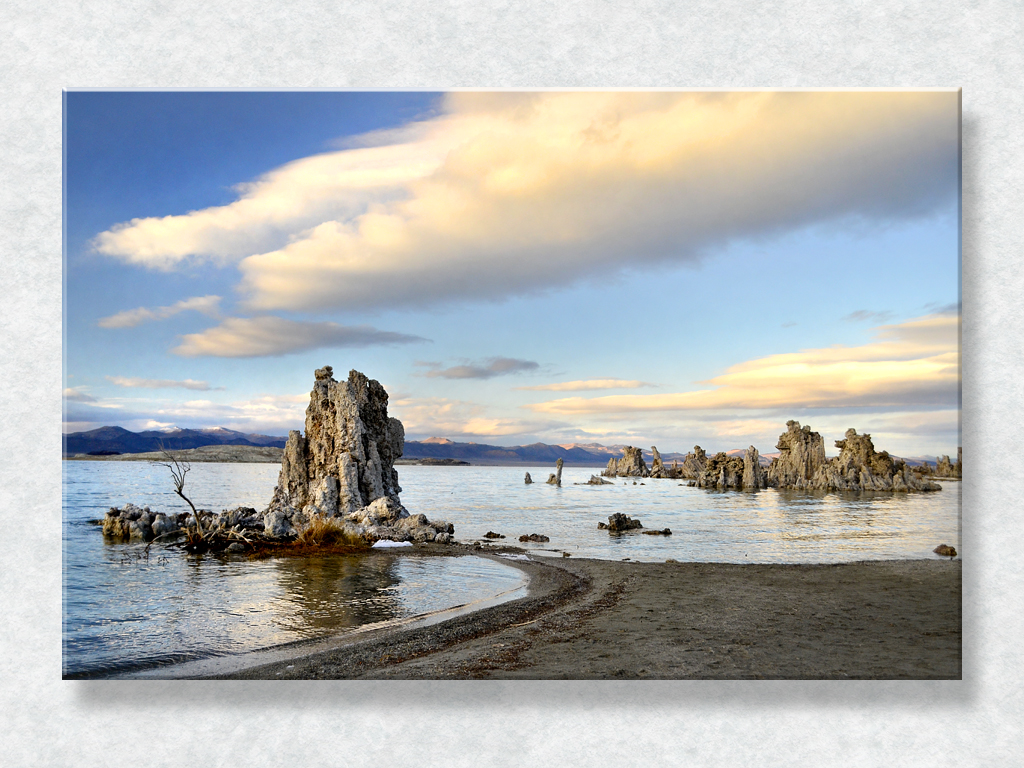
(344,467)
(723,472)
(130,523)
(802,465)
(631,464)
(945,468)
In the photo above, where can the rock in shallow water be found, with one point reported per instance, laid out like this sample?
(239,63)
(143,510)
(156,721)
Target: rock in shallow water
(344,466)
(619,522)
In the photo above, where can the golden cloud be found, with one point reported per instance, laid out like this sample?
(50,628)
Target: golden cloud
(912,363)
(473,203)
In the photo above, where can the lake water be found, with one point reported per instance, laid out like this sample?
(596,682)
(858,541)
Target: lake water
(122,610)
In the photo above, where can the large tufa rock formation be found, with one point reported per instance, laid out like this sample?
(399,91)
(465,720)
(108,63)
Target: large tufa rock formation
(801,453)
(344,466)
(556,478)
(725,472)
(859,468)
(802,465)
(631,464)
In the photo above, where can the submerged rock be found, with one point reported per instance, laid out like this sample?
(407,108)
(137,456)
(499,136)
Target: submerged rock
(631,464)
(537,537)
(619,522)
(344,467)
(595,480)
(493,535)
(662,532)
(945,550)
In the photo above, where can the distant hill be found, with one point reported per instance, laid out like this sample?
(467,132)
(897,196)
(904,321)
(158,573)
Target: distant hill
(115,440)
(119,440)
(589,455)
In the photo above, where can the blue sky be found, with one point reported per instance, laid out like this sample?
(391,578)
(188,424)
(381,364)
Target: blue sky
(644,268)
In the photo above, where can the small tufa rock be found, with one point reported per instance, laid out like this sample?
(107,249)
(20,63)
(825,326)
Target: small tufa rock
(944,550)
(493,535)
(595,480)
(619,522)
(528,480)
(662,532)
(556,479)
(534,537)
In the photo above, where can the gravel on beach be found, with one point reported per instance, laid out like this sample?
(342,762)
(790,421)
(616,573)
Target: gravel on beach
(594,619)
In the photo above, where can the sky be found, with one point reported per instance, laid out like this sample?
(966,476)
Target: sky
(646,268)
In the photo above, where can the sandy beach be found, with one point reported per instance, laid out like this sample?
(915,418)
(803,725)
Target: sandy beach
(593,619)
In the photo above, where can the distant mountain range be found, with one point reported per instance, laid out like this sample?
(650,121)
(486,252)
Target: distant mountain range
(578,454)
(111,440)
(118,440)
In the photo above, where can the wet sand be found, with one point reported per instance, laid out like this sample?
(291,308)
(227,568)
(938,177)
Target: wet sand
(594,619)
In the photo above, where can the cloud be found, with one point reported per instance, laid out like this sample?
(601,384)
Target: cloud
(866,315)
(437,416)
(75,395)
(124,381)
(588,384)
(208,305)
(915,363)
(509,193)
(495,366)
(272,336)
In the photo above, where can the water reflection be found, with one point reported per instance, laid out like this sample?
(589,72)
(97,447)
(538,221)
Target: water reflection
(118,606)
(328,594)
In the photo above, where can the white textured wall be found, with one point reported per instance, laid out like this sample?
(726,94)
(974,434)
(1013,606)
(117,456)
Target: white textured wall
(244,43)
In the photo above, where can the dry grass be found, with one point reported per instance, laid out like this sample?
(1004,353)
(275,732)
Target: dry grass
(327,532)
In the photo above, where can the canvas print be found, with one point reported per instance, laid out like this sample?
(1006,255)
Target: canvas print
(500,384)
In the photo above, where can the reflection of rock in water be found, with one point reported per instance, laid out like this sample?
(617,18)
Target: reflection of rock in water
(338,592)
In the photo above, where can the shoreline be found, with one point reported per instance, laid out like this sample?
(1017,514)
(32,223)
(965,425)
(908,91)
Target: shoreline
(599,619)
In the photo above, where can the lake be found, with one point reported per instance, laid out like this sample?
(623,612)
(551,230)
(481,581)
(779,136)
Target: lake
(126,611)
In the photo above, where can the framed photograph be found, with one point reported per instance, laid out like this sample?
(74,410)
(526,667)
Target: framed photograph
(637,384)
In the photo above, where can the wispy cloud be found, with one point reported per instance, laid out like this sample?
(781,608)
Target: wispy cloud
(75,395)
(488,369)
(472,203)
(868,316)
(588,384)
(913,363)
(207,305)
(271,336)
(457,419)
(128,381)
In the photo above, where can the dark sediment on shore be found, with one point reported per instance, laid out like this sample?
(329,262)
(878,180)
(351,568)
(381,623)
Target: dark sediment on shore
(593,619)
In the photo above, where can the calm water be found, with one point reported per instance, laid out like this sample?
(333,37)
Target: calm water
(123,611)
